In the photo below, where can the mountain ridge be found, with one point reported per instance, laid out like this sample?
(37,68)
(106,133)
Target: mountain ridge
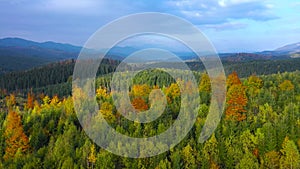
(20,54)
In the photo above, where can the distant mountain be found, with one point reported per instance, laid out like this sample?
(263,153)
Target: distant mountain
(20,54)
(289,48)
(293,50)
(282,53)
(22,43)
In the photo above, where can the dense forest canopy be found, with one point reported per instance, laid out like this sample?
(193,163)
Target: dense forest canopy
(259,127)
(56,78)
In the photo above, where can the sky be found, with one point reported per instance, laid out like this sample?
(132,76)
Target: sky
(230,25)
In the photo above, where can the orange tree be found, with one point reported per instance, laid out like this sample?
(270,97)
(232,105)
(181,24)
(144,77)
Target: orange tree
(236,99)
(16,141)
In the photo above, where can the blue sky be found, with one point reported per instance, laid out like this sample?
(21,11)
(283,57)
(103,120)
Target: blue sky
(231,25)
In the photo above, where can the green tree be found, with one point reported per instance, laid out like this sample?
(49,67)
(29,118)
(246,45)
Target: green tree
(164,164)
(105,160)
(189,159)
(211,152)
(290,155)
(205,88)
(248,161)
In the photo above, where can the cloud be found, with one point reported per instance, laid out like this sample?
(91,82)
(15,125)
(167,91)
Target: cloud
(226,26)
(74,21)
(221,11)
(70,5)
(225,3)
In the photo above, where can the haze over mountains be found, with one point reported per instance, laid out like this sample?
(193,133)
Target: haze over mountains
(19,54)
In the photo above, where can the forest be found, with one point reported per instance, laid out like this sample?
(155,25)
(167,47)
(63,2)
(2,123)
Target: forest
(55,78)
(260,126)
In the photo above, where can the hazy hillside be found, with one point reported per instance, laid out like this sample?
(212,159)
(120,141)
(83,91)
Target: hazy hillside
(19,54)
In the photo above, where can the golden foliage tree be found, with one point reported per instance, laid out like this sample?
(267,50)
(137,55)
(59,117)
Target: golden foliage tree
(290,155)
(211,152)
(173,92)
(30,101)
(140,94)
(55,100)
(101,93)
(16,140)
(233,79)
(92,157)
(236,99)
(286,85)
(107,111)
(141,90)
(271,159)
(205,85)
(254,84)
(140,104)
(10,101)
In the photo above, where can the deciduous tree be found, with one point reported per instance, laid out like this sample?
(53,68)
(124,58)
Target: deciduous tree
(286,85)
(140,104)
(236,103)
(16,140)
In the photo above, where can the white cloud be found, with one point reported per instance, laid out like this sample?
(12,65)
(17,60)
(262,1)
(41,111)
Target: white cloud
(222,3)
(71,6)
(221,11)
(225,3)
(226,26)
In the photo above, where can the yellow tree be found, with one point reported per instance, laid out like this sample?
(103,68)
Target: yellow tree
(16,141)
(54,100)
(236,99)
(10,101)
(173,92)
(189,159)
(254,84)
(290,154)
(92,157)
(286,85)
(106,110)
(233,79)
(141,90)
(211,152)
(205,88)
(271,159)
(205,85)
(102,94)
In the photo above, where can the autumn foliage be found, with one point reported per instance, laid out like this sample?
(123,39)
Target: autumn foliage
(10,101)
(236,99)
(286,85)
(233,79)
(140,104)
(141,90)
(16,141)
(30,101)
(205,85)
